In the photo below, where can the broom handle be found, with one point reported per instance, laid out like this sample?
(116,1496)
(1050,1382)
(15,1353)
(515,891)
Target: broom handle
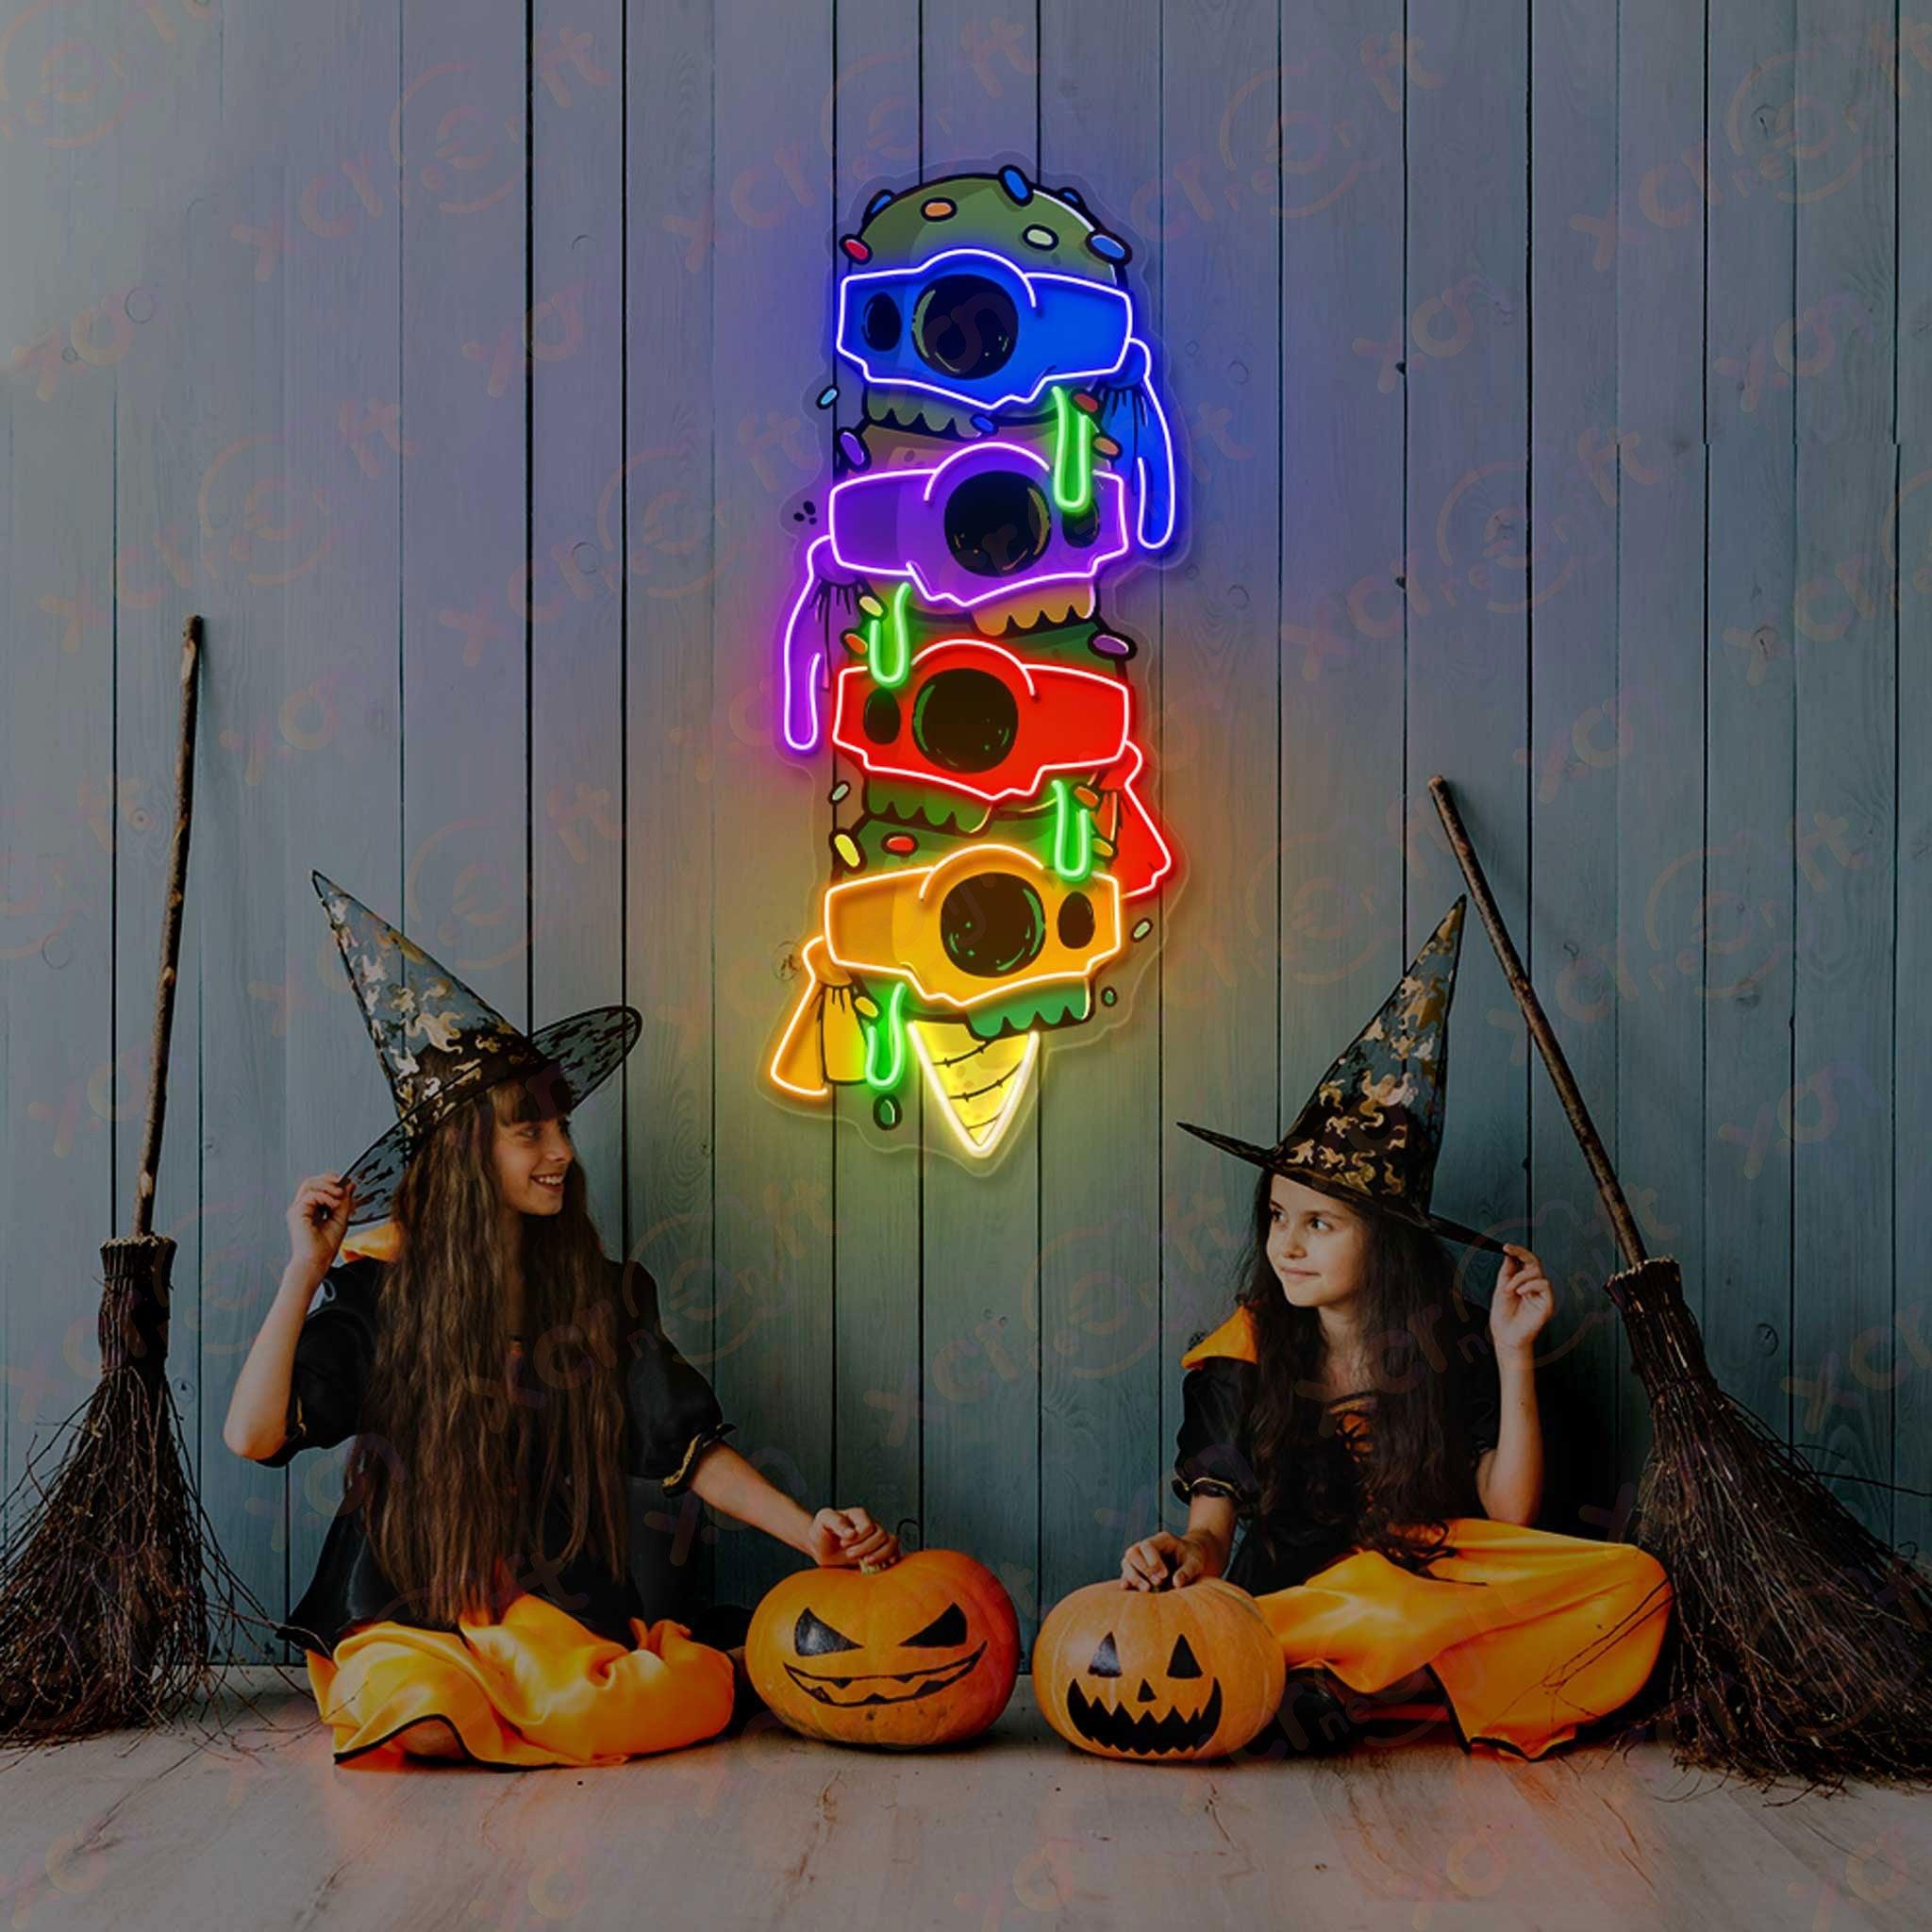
(171,936)
(1628,1240)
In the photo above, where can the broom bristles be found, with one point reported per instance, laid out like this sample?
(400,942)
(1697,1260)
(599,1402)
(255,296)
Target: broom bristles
(105,1606)
(1804,1642)
(103,1609)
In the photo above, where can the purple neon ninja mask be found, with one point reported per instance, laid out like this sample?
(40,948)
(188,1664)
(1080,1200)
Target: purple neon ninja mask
(980,527)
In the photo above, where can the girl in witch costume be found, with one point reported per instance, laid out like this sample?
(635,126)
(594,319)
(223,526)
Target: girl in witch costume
(505,1382)
(1380,1443)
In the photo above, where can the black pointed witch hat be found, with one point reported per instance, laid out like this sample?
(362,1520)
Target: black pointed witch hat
(1371,1131)
(442,1044)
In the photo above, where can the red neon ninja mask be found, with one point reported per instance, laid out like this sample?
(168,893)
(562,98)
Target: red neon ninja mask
(972,717)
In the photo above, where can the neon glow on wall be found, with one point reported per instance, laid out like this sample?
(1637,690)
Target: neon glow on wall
(994,867)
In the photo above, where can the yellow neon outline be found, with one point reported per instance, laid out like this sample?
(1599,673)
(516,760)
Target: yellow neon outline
(1007,1117)
(971,863)
(814,990)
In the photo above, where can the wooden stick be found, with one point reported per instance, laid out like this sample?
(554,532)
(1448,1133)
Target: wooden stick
(171,937)
(1624,1222)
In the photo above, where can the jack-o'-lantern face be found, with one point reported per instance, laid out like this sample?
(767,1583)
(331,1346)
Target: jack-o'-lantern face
(812,1636)
(1152,1725)
(924,1652)
(1158,1676)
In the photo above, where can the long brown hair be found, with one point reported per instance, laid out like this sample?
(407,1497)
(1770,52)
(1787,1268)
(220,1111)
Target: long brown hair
(1425,1349)
(455,1462)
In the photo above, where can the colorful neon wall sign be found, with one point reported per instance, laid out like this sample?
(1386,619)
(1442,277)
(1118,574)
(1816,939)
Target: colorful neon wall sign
(991,862)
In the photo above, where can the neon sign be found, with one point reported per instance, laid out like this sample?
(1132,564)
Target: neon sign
(992,863)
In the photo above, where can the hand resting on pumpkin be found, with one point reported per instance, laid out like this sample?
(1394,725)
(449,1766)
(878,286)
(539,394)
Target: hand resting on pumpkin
(832,1538)
(1166,1562)
(841,1538)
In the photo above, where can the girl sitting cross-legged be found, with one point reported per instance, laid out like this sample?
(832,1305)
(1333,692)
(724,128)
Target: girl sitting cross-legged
(506,1384)
(1381,1445)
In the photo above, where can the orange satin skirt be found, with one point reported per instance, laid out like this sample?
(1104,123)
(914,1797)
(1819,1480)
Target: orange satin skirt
(1531,1634)
(536,1688)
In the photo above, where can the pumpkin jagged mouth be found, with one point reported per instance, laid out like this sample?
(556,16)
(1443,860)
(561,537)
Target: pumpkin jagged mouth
(921,1683)
(1147,1736)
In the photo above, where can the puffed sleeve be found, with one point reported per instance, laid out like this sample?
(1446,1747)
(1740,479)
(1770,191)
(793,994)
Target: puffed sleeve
(674,1415)
(334,1354)
(1211,1450)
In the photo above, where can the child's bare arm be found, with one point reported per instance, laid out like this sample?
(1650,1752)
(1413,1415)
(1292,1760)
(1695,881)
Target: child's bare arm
(1509,1477)
(834,1536)
(257,1415)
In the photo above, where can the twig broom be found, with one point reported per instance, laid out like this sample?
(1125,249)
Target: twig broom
(104,1612)
(1804,1644)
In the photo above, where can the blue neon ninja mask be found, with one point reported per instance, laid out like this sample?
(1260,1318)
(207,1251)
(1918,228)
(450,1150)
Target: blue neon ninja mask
(969,326)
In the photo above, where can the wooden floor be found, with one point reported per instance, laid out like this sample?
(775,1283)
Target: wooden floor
(258,1828)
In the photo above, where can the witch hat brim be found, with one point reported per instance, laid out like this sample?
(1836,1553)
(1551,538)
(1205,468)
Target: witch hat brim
(1271,1158)
(585,1049)
(442,1044)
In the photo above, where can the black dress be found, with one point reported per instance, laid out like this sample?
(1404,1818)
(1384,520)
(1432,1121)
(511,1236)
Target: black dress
(1213,1457)
(671,1418)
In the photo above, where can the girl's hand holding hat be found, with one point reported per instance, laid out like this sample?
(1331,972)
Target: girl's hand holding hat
(318,1220)
(1524,1301)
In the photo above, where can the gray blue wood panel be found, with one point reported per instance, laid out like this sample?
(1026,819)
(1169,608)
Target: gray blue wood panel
(771,451)
(1553,386)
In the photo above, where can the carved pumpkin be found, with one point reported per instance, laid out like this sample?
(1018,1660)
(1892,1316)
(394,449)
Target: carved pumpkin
(1157,1675)
(922,1652)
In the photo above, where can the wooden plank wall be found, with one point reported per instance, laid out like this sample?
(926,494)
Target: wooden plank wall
(1555,388)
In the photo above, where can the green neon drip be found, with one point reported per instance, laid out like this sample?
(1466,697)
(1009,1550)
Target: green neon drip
(1072,455)
(1073,826)
(891,1029)
(888,644)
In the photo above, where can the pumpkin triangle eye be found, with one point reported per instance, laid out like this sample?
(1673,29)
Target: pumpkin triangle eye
(813,1637)
(1107,1659)
(1183,1663)
(949,1627)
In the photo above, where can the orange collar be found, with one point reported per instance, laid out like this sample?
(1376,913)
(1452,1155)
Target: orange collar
(381,1241)
(1234,1338)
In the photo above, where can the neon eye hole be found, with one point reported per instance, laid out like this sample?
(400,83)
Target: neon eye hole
(813,1637)
(993,925)
(948,1628)
(964,327)
(997,523)
(1075,922)
(881,323)
(965,719)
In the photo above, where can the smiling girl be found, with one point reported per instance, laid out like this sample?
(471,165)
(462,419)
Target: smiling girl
(507,1384)
(1380,1441)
